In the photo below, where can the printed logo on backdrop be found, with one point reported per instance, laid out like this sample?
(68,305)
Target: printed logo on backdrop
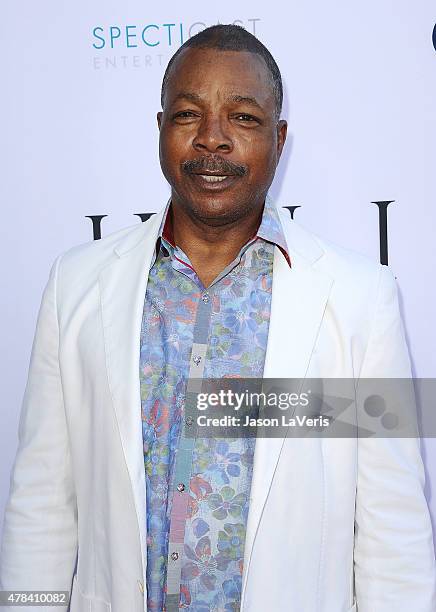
(434,37)
(146,45)
(382,206)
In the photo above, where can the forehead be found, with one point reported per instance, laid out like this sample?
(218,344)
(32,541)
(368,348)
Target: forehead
(209,71)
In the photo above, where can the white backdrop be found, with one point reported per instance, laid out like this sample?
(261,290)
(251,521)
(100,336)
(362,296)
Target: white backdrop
(79,138)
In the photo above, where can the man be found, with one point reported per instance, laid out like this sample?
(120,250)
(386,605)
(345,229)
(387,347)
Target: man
(219,283)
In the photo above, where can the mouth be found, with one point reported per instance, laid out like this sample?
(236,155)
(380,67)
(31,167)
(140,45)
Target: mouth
(213,181)
(213,178)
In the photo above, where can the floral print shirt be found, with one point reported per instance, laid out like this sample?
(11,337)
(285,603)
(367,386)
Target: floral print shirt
(198,488)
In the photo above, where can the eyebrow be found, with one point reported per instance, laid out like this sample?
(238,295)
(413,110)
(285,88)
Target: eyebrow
(186,95)
(196,98)
(245,99)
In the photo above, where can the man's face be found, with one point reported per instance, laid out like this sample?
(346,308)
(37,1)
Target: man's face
(220,141)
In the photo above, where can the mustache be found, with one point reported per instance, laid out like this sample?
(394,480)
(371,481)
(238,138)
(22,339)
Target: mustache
(215,164)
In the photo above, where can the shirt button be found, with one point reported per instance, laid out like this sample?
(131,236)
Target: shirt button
(189,420)
(174,556)
(205,297)
(180,487)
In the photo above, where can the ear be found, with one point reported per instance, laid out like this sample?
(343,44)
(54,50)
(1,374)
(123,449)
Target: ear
(159,119)
(282,130)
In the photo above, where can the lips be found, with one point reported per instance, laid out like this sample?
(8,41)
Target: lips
(213,182)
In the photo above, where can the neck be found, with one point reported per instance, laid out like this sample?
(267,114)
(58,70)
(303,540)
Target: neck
(211,248)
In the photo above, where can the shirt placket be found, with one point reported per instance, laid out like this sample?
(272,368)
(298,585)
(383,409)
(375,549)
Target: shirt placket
(183,462)
(181,475)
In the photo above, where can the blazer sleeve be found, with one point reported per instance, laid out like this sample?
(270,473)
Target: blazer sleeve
(39,544)
(394,553)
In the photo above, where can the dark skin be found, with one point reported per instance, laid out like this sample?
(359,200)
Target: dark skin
(220,143)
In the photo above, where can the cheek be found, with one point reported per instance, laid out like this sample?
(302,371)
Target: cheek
(169,154)
(261,159)
(255,145)
(173,150)
(178,139)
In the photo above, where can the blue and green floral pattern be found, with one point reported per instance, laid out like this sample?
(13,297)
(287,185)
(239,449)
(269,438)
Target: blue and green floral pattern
(220,481)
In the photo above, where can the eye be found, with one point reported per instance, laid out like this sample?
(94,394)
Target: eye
(184,115)
(246,118)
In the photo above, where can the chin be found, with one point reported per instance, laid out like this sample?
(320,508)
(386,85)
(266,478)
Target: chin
(218,209)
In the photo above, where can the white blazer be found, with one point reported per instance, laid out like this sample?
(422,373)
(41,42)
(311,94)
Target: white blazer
(335,525)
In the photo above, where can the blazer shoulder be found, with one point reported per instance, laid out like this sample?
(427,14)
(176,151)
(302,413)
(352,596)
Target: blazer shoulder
(358,279)
(347,261)
(340,262)
(362,288)
(80,266)
(93,256)
(101,249)
(355,270)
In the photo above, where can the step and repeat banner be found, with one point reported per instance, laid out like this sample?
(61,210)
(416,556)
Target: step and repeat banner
(81,89)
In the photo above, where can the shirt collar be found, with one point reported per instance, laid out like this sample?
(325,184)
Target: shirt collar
(270,229)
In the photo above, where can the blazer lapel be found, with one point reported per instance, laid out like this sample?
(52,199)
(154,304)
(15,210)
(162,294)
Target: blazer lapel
(122,286)
(299,297)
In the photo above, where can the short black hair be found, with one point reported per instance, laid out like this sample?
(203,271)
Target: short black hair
(230,37)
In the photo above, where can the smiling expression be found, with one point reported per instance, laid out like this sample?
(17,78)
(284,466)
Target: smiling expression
(220,140)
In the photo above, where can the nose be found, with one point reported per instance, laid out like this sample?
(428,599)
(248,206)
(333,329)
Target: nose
(211,136)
